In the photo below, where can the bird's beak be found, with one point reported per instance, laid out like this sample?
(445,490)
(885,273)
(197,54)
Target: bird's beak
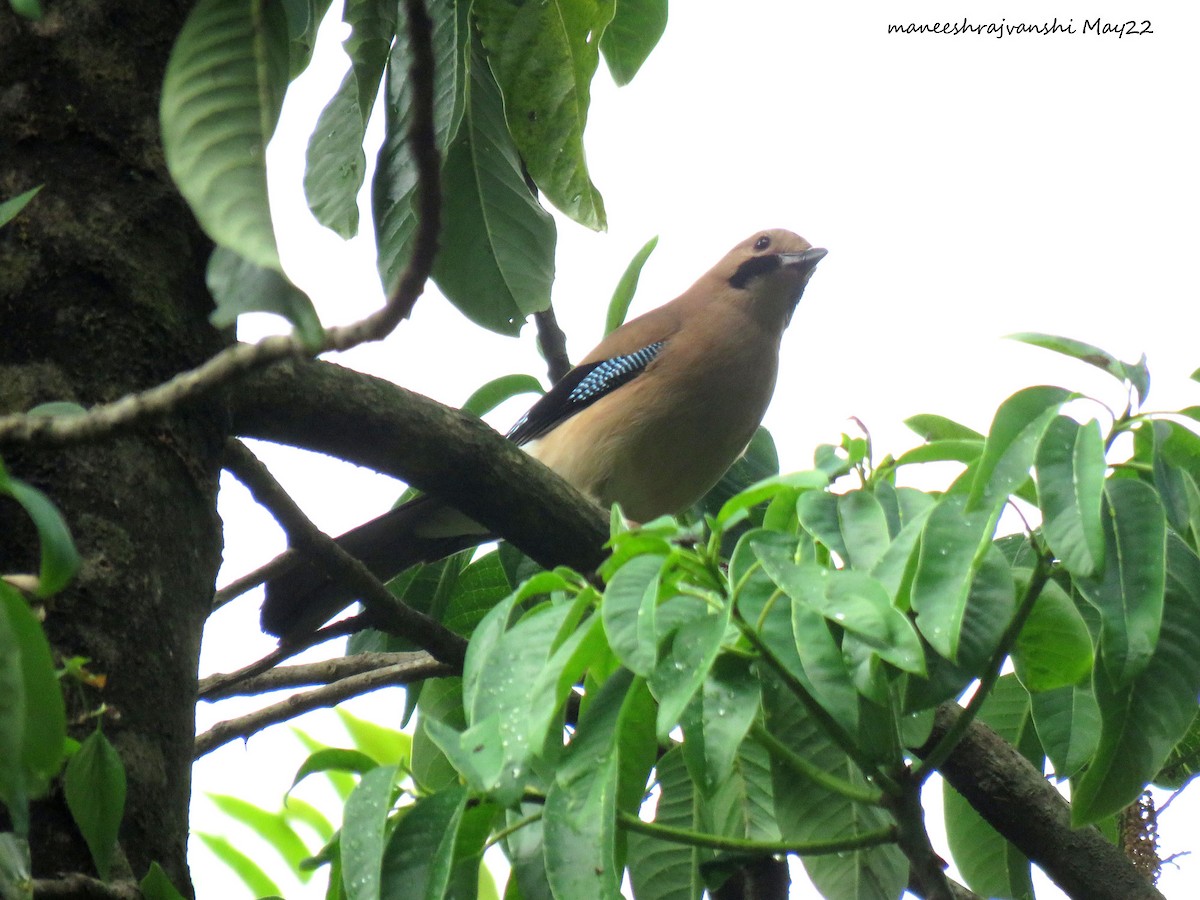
(805,261)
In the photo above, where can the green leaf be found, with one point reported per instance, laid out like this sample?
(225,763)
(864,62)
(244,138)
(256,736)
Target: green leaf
(32,715)
(157,886)
(1129,591)
(364,833)
(741,804)
(544,56)
(12,207)
(688,655)
(1134,374)
(387,746)
(251,874)
(30,9)
(1012,441)
(1068,725)
(496,391)
(628,612)
(813,811)
(303,18)
(579,822)
(818,512)
(393,190)
(497,259)
(94,785)
(938,428)
(335,163)
(239,286)
(1183,764)
(864,529)
(1054,648)
(953,543)
(1143,719)
(441,700)
(333,759)
(618,306)
(60,559)
(272,827)
(1070,482)
(221,97)
(717,720)
(663,870)
(420,852)
(735,509)
(631,35)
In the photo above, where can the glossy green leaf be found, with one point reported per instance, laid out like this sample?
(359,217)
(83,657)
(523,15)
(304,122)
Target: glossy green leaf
(334,759)
(813,811)
(1068,725)
(59,558)
(628,612)
(684,666)
(580,814)
(631,36)
(864,528)
(1128,592)
(736,508)
(938,428)
(497,259)
(664,870)
(12,207)
(1054,648)
(1008,453)
(741,804)
(247,870)
(1070,482)
(303,19)
(94,785)
(32,716)
(1170,478)
(953,543)
(1144,718)
(1183,763)
(387,746)
(618,306)
(363,833)
(157,886)
(393,188)
(441,700)
(544,56)
(818,512)
(487,397)
(239,286)
(272,827)
(420,852)
(335,163)
(1135,374)
(942,451)
(221,97)
(717,720)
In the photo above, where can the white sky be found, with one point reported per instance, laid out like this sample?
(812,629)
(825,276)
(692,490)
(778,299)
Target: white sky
(966,188)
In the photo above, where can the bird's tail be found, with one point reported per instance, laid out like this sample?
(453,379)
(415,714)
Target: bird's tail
(304,597)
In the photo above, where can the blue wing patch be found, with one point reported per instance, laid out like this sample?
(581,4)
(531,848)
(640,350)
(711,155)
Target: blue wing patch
(580,388)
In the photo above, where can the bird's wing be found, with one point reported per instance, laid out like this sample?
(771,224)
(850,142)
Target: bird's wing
(580,388)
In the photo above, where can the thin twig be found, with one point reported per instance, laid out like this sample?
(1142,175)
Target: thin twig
(73,887)
(252,579)
(218,687)
(552,341)
(329,695)
(630,822)
(106,418)
(388,613)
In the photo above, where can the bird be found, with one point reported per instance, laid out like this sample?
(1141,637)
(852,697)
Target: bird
(650,419)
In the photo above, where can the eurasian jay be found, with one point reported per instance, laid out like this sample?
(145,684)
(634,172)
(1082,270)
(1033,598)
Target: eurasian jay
(650,419)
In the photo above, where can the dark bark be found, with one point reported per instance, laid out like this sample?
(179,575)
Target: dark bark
(1018,802)
(102,293)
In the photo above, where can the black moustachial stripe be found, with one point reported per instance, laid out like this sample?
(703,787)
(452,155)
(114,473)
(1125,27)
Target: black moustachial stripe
(579,389)
(752,268)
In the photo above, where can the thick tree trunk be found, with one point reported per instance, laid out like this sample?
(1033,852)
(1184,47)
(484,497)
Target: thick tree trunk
(102,293)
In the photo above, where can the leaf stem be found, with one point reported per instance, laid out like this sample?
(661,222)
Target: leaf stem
(795,761)
(874,838)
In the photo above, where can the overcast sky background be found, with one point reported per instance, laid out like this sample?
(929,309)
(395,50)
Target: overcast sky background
(967,187)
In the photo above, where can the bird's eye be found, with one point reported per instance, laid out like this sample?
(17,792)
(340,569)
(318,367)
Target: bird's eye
(762,243)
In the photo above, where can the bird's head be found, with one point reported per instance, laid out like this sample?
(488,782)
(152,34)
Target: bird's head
(770,269)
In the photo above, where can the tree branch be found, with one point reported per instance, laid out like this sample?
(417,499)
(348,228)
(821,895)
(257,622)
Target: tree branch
(218,687)
(81,887)
(553,343)
(329,695)
(1018,802)
(372,422)
(391,615)
(106,418)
